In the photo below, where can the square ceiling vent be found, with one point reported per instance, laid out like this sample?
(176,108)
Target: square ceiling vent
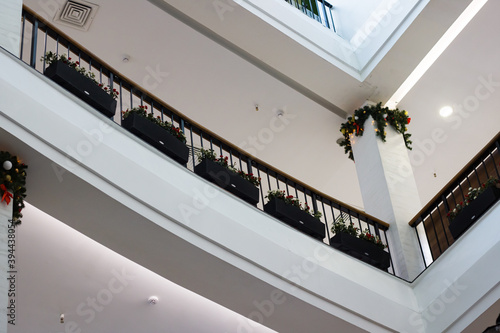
(78,14)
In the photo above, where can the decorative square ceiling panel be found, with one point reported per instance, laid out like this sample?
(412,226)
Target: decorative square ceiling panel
(78,14)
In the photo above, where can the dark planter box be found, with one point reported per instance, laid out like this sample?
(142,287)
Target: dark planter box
(473,211)
(296,218)
(82,87)
(362,250)
(228,180)
(157,136)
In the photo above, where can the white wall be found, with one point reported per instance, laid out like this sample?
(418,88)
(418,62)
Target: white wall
(10,25)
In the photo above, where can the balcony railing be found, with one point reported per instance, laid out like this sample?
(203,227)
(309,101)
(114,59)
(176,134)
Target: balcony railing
(38,38)
(432,223)
(320,10)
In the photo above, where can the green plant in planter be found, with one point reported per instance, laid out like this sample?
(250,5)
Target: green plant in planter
(291,200)
(141,110)
(340,226)
(50,57)
(224,161)
(382,116)
(472,195)
(13,179)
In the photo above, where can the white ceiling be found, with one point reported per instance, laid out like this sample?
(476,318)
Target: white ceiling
(222,94)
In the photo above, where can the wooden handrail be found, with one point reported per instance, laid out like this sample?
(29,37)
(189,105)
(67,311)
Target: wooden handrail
(192,122)
(453,180)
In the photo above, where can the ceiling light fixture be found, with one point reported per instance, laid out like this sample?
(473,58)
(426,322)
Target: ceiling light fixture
(446,111)
(448,37)
(153,300)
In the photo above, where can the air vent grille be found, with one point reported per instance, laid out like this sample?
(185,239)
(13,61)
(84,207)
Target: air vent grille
(77,14)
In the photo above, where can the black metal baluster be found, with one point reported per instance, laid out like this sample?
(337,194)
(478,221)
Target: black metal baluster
(34,42)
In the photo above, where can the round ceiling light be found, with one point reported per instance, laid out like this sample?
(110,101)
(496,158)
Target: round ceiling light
(446,111)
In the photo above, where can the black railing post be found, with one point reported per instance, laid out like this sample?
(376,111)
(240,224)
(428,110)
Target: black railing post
(445,203)
(34,37)
(249,165)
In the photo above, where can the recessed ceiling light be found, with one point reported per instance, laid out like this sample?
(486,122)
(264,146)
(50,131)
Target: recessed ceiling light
(446,111)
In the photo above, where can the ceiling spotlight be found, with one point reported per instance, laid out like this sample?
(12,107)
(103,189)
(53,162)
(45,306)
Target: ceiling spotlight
(280,113)
(446,111)
(126,58)
(153,300)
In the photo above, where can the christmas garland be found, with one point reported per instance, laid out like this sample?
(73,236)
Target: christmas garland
(13,179)
(382,116)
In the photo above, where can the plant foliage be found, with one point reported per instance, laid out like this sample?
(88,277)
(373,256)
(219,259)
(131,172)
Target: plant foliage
(340,226)
(50,57)
(472,195)
(382,116)
(224,161)
(291,200)
(141,110)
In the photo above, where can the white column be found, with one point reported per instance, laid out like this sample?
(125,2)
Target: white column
(389,192)
(10,25)
(5,216)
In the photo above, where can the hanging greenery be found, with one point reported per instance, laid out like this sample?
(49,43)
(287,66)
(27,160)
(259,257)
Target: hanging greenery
(382,116)
(13,179)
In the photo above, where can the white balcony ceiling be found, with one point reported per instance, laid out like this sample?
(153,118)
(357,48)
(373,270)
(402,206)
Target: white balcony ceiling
(220,93)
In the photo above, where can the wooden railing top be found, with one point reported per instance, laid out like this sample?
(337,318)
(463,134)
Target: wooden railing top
(459,175)
(196,124)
